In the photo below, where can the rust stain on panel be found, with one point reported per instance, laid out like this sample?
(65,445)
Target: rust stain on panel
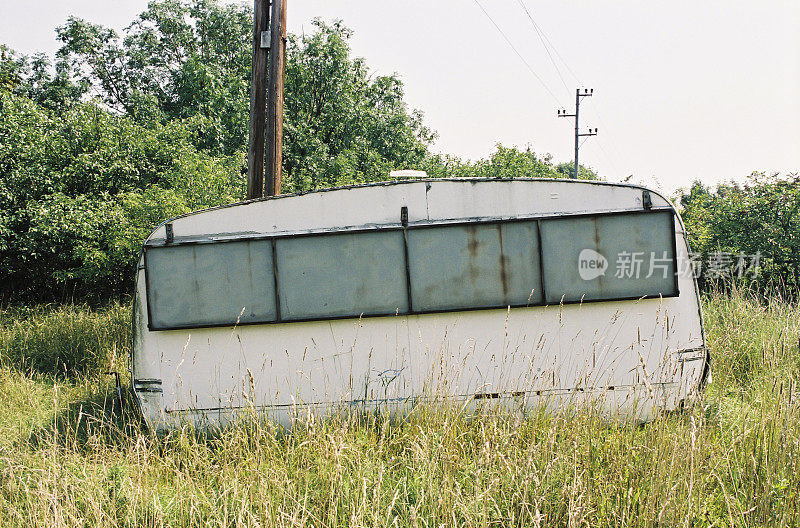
(473,246)
(503,272)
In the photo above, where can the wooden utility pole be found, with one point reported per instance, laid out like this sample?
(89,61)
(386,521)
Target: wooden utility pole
(277,67)
(258,100)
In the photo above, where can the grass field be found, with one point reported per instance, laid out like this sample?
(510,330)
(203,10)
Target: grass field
(71,456)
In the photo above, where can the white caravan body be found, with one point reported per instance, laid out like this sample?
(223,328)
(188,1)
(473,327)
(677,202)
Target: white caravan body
(527,292)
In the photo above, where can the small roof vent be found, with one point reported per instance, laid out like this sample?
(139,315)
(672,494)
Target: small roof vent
(408,174)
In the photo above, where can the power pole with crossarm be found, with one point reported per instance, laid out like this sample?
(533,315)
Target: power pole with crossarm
(563,113)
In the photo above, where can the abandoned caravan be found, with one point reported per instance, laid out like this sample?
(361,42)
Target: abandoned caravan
(516,292)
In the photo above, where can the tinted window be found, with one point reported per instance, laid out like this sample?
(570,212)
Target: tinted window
(609,257)
(210,284)
(341,275)
(448,267)
(473,266)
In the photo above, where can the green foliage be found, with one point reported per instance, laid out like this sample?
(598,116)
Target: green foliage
(64,243)
(177,60)
(505,162)
(760,217)
(567,170)
(32,78)
(81,188)
(84,150)
(191,60)
(10,69)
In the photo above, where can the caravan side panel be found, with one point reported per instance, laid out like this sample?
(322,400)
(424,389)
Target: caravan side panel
(398,340)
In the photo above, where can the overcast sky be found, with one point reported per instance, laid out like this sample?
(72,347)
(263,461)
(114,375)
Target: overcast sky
(683,89)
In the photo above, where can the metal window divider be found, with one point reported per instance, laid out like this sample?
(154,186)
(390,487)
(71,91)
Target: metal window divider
(278,315)
(404,225)
(541,260)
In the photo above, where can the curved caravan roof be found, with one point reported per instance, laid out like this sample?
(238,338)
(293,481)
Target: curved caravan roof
(526,291)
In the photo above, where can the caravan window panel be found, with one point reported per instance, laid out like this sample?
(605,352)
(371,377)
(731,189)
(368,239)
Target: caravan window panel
(474,266)
(341,275)
(210,284)
(617,256)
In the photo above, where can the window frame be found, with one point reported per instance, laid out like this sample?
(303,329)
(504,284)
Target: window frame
(538,219)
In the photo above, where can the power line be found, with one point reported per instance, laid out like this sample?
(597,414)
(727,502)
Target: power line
(519,54)
(541,38)
(543,34)
(563,61)
(547,44)
(615,151)
(608,157)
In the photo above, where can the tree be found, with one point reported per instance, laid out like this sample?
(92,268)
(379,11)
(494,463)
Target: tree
(505,162)
(11,68)
(342,125)
(178,60)
(32,77)
(567,170)
(191,61)
(81,188)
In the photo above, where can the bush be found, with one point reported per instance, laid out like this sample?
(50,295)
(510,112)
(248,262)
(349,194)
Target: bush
(761,217)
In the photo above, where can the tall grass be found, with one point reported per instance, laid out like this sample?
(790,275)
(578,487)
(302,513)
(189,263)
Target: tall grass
(64,340)
(70,455)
